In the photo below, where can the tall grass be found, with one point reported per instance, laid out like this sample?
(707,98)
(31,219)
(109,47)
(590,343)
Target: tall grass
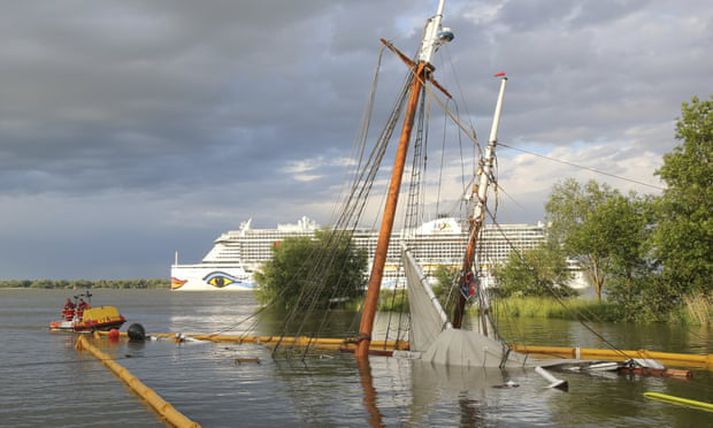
(393,300)
(696,309)
(540,307)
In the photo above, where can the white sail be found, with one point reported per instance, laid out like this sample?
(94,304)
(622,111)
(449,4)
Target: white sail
(428,318)
(434,337)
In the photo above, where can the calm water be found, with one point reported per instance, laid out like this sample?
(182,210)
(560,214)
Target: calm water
(45,382)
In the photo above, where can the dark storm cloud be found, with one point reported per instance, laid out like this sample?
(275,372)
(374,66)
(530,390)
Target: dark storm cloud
(179,119)
(126,91)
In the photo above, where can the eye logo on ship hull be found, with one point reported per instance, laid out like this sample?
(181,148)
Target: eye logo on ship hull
(177,283)
(220,279)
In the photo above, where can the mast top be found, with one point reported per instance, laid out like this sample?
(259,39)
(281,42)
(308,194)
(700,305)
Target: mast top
(435,35)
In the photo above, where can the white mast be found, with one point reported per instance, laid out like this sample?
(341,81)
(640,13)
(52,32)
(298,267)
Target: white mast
(486,172)
(435,35)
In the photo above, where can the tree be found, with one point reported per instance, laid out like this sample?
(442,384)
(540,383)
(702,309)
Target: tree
(305,271)
(683,239)
(634,285)
(539,271)
(581,228)
(604,231)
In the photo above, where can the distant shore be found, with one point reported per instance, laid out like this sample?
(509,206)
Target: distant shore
(142,283)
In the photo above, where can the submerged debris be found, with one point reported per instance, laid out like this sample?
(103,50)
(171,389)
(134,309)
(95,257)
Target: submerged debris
(508,384)
(246,360)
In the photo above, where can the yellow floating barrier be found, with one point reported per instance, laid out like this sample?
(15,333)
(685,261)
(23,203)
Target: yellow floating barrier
(320,343)
(704,361)
(161,406)
(686,360)
(702,405)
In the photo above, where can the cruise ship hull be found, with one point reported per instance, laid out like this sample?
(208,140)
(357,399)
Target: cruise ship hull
(210,277)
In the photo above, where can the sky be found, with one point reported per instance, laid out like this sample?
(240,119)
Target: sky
(132,129)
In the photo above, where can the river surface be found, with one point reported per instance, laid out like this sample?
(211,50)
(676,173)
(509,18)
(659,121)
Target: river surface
(46,382)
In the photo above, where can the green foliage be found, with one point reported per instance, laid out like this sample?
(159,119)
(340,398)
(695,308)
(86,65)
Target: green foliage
(683,239)
(539,272)
(85,283)
(445,277)
(393,300)
(603,230)
(646,298)
(305,271)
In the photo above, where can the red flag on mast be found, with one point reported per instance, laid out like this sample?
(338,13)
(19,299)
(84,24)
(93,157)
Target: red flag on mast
(501,74)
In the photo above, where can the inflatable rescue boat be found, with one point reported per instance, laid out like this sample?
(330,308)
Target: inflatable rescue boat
(78,315)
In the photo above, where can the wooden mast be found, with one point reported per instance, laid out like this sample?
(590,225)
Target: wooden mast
(387,222)
(476,222)
(429,44)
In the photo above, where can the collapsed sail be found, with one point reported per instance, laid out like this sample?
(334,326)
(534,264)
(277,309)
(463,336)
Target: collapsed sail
(428,319)
(433,336)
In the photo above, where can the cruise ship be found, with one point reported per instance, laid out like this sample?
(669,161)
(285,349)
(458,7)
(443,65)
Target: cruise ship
(236,254)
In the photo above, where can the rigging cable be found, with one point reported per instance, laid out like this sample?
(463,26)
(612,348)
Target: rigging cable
(443,156)
(595,170)
(474,139)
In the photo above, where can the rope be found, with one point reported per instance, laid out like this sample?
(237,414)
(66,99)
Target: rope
(346,224)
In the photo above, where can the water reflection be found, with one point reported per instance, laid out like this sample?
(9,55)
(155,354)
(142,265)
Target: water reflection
(468,387)
(370,396)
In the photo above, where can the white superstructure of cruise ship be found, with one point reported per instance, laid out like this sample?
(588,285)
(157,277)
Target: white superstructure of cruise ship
(238,253)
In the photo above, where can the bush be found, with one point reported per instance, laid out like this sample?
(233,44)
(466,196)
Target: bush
(305,272)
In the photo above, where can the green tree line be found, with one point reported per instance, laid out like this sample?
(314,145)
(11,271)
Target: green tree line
(647,255)
(86,283)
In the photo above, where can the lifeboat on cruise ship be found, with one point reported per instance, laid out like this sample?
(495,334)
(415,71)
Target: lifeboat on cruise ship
(79,316)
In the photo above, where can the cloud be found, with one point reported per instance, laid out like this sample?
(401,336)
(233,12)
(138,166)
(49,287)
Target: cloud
(194,116)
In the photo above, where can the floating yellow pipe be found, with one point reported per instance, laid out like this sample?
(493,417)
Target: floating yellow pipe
(161,406)
(685,360)
(702,405)
(317,342)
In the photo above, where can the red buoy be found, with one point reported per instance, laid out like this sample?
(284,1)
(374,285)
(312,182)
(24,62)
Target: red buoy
(114,335)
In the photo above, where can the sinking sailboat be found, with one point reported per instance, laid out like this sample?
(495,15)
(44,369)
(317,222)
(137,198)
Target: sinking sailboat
(433,336)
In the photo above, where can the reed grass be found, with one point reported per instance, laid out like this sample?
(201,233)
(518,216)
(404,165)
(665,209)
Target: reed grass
(540,307)
(393,301)
(695,309)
